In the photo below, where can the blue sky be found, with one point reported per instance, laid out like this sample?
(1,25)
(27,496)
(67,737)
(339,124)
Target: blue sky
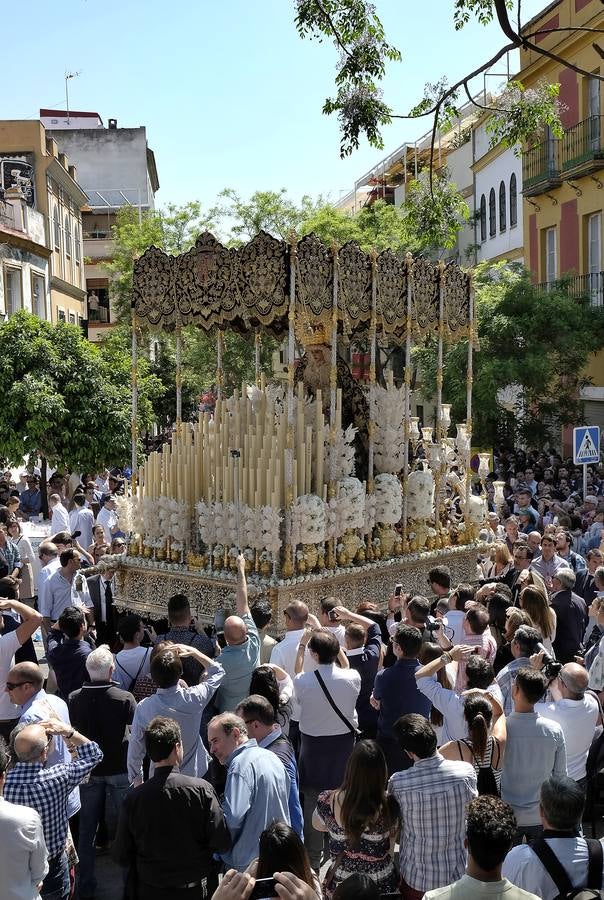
(230,96)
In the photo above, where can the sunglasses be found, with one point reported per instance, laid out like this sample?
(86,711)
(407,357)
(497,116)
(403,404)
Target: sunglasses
(11,685)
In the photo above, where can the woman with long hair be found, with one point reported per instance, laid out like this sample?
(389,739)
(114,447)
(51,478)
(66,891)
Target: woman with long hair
(535,603)
(280,849)
(498,604)
(360,819)
(485,746)
(99,546)
(514,618)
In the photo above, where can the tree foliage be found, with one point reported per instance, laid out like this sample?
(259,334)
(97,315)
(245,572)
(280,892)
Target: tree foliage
(532,346)
(271,211)
(64,398)
(355,29)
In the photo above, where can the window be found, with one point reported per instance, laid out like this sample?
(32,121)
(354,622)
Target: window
(492,214)
(513,202)
(72,318)
(483,219)
(550,255)
(13,291)
(76,244)
(67,236)
(594,257)
(57,228)
(60,314)
(38,295)
(502,207)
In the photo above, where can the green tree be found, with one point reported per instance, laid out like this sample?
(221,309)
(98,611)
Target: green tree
(64,398)
(534,343)
(271,211)
(374,227)
(355,29)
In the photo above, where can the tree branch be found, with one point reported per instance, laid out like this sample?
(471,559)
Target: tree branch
(475,102)
(503,18)
(533,34)
(560,59)
(334,30)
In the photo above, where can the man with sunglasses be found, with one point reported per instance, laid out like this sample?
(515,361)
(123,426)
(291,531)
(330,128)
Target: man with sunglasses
(9,644)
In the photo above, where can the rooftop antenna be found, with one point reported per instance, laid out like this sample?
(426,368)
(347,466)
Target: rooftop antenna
(68,76)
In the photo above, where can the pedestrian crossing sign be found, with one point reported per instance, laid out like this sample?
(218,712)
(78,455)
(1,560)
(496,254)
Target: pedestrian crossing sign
(586,445)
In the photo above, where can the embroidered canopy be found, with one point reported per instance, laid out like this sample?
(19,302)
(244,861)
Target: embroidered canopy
(252,287)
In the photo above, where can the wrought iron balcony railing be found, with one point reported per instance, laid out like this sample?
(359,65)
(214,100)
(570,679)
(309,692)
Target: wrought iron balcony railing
(589,287)
(541,166)
(582,143)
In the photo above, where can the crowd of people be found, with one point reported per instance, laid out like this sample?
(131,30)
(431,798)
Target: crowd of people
(443,745)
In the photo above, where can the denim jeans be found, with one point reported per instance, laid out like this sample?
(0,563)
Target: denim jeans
(56,885)
(101,792)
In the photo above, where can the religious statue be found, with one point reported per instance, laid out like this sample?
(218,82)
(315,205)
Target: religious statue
(314,371)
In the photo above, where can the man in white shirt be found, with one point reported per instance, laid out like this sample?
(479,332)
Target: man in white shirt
(577,713)
(81,519)
(59,519)
(22,849)
(284,655)
(561,808)
(107,517)
(9,644)
(66,587)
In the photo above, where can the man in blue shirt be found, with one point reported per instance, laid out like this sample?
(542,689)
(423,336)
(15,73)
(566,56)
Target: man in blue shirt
(31,499)
(363,642)
(259,717)
(67,651)
(256,791)
(395,693)
(242,653)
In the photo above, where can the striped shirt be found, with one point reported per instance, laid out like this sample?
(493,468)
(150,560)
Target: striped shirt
(433,796)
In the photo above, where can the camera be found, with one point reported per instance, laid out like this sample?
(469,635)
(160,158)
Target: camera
(333,616)
(551,667)
(433,625)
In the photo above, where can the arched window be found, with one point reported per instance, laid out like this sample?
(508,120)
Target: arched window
(513,202)
(492,214)
(502,206)
(76,244)
(483,219)
(56,228)
(67,236)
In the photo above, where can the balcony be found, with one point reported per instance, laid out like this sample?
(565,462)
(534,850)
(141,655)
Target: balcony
(98,248)
(541,167)
(587,287)
(582,147)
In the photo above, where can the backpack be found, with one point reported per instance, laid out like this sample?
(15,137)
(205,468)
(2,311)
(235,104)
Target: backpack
(140,686)
(557,872)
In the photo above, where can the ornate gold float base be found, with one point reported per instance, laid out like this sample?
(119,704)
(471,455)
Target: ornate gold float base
(147,590)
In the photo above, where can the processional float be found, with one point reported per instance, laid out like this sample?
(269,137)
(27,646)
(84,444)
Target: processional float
(318,481)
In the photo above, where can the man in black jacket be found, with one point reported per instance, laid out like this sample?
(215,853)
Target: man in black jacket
(363,641)
(571,616)
(103,711)
(169,826)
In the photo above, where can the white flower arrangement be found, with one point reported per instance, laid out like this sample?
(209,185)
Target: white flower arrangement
(218,551)
(126,512)
(309,520)
(270,529)
(389,436)
(342,453)
(420,495)
(233,552)
(388,499)
(265,556)
(259,528)
(350,505)
(150,526)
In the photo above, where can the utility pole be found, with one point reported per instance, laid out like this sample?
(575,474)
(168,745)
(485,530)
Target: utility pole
(68,76)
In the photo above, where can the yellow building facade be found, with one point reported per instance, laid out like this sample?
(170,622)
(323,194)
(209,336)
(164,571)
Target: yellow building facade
(563,179)
(57,196)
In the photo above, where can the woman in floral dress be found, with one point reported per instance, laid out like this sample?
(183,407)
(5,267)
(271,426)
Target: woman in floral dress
(361,822)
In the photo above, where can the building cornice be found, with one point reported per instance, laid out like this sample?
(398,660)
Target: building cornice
(66,288)
(56,170)
(17,239)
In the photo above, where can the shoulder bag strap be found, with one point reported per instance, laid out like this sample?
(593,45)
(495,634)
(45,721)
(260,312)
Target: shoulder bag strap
(330,700)
(596,857)
(552,865)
